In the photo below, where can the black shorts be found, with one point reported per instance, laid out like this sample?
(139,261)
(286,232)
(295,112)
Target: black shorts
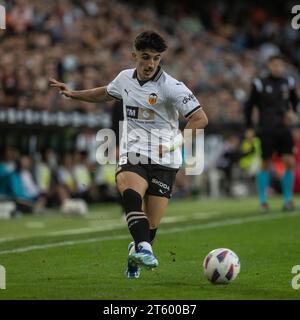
(160,178)
(278,140)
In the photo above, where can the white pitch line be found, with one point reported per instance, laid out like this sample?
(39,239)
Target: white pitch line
(210,225)
(6,239)
(86,230)
(35,225)
(114,225)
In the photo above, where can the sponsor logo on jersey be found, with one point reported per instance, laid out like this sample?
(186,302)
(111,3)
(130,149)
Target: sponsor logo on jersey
(127,91)
(189,97)
(132,112)
(152,98)
(139,113)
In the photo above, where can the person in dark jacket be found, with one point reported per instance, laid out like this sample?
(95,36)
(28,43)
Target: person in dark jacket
(276,99)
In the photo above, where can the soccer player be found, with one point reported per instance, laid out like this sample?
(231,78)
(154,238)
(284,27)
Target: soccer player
(151,100)
(276,99)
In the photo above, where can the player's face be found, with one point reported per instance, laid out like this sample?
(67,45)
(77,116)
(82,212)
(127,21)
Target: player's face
(147,62)
(276,67)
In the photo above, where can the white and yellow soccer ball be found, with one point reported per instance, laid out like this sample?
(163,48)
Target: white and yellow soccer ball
(221,266)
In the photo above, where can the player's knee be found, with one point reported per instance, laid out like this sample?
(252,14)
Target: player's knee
(121,182)
(132,201)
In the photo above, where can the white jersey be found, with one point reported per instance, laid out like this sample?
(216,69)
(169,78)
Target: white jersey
(151,110)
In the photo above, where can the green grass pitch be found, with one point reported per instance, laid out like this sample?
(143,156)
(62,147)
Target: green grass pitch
(55,257)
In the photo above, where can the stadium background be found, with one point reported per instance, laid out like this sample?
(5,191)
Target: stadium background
(215,48)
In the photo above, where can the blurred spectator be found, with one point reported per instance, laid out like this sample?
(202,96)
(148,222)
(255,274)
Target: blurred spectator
(214,48)
(65,176)
(250,149)
(296,137)
(84,43)
(82,176)
(23,188)
(228,159)
(43,172)
(105,182)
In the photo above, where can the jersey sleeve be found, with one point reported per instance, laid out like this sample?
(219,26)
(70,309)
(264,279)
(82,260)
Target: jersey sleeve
(252,100)
(183,99)
(114,88)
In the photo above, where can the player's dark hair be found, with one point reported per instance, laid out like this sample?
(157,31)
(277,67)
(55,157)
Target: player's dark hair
(150,40)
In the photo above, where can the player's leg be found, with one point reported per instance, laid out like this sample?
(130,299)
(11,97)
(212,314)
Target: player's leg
(285,149)
(157,196)
(263,175)
(155,208)
(262,183)
(132,187)
(287,181)
(131,181)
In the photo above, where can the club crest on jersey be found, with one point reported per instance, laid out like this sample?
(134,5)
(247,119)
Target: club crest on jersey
(152,98)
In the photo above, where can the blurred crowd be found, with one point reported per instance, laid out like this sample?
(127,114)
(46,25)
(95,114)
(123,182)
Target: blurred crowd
(216,52)
(49,179)
(86,44)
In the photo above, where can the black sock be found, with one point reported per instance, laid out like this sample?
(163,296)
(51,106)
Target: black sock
(152,234)
(137,221)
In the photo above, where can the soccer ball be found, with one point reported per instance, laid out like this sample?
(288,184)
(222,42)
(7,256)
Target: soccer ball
(221,266)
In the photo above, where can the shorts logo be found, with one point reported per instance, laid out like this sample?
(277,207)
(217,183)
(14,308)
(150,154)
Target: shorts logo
(152,98)
(161,184)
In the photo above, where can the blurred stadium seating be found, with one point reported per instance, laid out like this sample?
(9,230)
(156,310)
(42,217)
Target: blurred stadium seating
(215,48)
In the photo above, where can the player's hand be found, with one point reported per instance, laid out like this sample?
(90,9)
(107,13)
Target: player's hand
(63,88)
(290,118)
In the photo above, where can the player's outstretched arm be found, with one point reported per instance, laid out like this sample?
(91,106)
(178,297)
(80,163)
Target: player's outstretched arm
(91,95)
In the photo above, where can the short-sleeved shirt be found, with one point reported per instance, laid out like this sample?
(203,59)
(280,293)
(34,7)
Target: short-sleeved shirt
(274,97)
(151,111)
